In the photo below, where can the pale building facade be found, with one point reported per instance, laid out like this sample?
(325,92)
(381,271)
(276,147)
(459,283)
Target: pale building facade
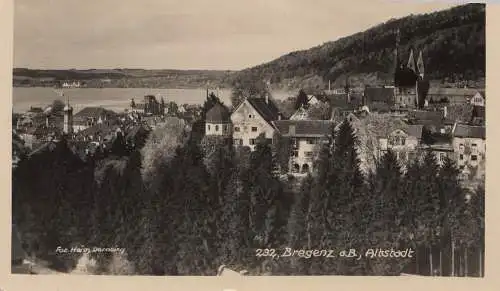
(252,119)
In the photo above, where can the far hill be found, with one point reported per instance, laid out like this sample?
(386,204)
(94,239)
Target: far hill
(124,78)
(452,42)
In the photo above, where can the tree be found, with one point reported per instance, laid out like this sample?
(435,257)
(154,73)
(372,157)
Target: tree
(383,213)
(57,106)
(302,100)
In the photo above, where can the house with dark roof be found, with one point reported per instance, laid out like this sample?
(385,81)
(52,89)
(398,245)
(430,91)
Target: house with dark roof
(451,95)
(90,116)
(305,137)
(469,144)
(218,121)
(378,95)
(253,118)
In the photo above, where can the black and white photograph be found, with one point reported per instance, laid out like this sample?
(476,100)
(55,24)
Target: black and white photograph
(248,138)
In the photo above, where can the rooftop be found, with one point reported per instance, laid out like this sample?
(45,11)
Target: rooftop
(304,128)
(469,131)
(218,114)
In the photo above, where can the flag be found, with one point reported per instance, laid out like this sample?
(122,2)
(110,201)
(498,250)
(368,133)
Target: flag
(411,62)
(420,64)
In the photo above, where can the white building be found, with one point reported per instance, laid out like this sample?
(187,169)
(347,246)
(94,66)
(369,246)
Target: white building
(253,118)
(305,136)
(218,121)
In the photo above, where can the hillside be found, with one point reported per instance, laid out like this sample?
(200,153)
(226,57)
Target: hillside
(446,39)
(124,78)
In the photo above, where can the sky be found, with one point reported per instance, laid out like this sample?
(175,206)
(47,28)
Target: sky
(188,34)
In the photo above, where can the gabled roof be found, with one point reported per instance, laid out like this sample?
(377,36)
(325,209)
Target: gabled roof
(94,112)
(469,131)
(267,110)
(218,114)
(300,114)
(379,94)
(304,128)
(466,92)
(102,129)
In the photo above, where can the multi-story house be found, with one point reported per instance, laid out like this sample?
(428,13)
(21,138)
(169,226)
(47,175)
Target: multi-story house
(218,121)
(404,142)
(305,137)
(254,118)
(469,144)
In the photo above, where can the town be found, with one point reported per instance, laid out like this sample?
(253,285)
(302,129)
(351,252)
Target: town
(450,122)
(370,148)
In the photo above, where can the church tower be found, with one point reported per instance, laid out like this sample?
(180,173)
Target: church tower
(68,118)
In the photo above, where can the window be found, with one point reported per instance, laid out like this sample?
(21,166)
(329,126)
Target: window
(252,141)
(442,157)
(295,153)
(254,128)
(249,115)
(403,141)
(209,127)
(238,141)
(473,157)
(225,127)
(311,141)
(461,157)
(308,154)
(237,128)
(216,128)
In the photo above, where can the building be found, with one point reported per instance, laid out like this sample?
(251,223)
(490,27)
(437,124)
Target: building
(404,142)
(253,118)
(478,99)
(451,95)
(469,145)
(305,137)
(90,116)
(150,106)
(376,98)
(218,121)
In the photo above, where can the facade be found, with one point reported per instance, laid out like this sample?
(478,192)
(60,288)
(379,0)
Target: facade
(149,106)
(305,138)
(478,99)
(469,144)
(404,142)
(90,116)
(253,118)
(218,121)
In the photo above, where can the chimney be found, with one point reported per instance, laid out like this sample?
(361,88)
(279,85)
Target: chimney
(445,112)
(329,85)
(267,98)
(279,116)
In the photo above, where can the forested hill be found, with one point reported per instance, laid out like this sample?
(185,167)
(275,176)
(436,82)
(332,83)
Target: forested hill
(452,42)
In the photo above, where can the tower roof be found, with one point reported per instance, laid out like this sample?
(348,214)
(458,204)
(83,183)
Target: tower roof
(218,114)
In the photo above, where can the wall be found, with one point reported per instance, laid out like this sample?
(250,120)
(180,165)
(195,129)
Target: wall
(218,129)
(244,118)
(303,147)
(464,151)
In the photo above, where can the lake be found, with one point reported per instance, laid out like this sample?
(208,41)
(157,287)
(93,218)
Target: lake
(116,99)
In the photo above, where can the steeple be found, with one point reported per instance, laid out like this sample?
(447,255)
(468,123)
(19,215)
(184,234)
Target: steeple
(68,118)
(420,65)
(411,62)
